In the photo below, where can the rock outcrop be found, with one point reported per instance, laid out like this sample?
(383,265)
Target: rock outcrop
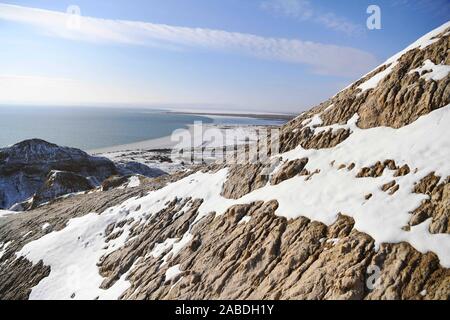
(24,168)
(400,97)
(35,171)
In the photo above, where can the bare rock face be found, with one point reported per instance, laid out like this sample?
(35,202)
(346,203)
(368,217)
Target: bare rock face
(114,182)
(132,167)
(60,183)
(377,169)
(289,170)
(18,280)
(437,206)
(243,179)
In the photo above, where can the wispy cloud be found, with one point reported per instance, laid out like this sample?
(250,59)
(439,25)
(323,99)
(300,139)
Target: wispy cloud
(322,58)
(440,8)
(303,10)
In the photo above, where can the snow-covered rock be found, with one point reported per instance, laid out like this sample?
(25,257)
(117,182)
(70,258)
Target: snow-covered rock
(34,171)
(25,166)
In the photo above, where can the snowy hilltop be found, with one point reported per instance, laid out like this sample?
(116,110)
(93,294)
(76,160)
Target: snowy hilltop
(356,205)
(35,171)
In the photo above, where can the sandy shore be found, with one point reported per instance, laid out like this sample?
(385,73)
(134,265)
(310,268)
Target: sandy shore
(193,136)
(151,144)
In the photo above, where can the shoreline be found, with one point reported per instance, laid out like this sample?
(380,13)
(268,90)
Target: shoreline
(262,116)
(166,142)
(150,144)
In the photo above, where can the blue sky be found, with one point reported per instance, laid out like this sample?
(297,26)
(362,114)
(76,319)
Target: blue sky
(228,55)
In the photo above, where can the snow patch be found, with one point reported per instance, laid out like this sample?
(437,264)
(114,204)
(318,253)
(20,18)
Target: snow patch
(392,62)
(333,241)
(160,248)
(133,182)
(6,213)
(173,272)
(373,82)
(3,248)
(72,253)
(437,72)
(351,125)
(313,122)
(245,219)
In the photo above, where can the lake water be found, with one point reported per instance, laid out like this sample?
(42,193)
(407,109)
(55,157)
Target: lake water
(93,128)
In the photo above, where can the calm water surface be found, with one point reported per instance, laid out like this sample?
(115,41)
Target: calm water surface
(93,128)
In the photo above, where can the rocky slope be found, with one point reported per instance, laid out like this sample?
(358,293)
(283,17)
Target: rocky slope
(355,207)
(34,171)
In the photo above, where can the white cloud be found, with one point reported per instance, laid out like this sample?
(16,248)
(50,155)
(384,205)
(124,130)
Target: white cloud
(322,58)
(303,10)
(300,9)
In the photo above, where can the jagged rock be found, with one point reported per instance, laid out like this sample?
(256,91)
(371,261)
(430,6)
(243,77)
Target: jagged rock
(24,168)
(386,187)
(114,182)
(289,170)
(398,100)
(436,207)
(243,179)
(60,183)
(403,171)
(130,168)
(377,169)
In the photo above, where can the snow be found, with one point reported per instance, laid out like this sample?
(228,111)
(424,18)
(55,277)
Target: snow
(350,125)
(3,247)
(27,234)
(245,219)
(134,182)
(173,272)
(73,253)
(422,145)
(45,226)
(160,248)
(392,62)
(313,122)
(6,213)
(438,72)
(373,82)
(333,241)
